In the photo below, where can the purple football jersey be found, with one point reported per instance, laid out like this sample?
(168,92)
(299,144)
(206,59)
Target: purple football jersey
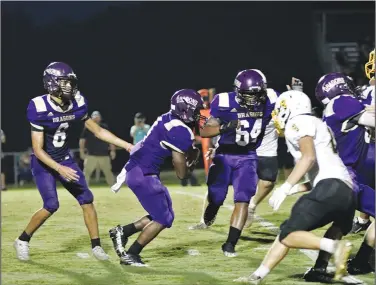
(166,134)
(368,96)
(46,116)
(352,139)
(225,107)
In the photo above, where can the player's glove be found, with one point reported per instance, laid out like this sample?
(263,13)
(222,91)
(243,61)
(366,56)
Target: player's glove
(192,158)
(229,126)
(279,195)
(210,153)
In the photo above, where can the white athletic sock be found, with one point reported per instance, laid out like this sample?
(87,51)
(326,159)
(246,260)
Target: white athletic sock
(327,245)
(252,205)
(262,271)
(362,221)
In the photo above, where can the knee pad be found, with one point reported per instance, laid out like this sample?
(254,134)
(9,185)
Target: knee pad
(85,198)
(51,205)
(166,219)
(216,197)
(170,219)
(243,196)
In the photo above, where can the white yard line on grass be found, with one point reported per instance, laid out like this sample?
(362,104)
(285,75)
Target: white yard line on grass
(311,254)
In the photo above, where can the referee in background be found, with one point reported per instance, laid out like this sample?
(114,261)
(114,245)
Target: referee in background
(97,152)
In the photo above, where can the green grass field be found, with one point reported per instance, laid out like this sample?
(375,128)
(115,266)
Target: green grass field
(55,246)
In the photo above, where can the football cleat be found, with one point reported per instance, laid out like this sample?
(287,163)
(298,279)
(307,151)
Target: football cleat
(22,249)
(252,279)
(318,275)
(199,226)
(357,268)
(341,254)
(132,260)
(119,240)
(229,250)
(99,253)
(359,227)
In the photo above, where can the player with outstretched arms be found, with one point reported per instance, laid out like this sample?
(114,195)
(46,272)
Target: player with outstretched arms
(331,199)
(170,135)
(50,117)
(240,119)
(353,127)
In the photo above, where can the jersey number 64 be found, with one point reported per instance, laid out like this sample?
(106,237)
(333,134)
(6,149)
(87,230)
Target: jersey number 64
(243,138)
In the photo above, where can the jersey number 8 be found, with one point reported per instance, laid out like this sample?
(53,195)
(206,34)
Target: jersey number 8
(60,135)
(243,137)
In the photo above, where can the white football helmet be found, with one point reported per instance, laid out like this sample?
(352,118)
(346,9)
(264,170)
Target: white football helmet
(288,105)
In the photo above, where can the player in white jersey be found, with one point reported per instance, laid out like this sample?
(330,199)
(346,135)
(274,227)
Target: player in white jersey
(331,199)
(267,169)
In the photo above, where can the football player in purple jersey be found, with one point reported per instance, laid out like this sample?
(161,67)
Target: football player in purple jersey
(170,135)
(239,118)
(50,116)
(362,222)
(352,125)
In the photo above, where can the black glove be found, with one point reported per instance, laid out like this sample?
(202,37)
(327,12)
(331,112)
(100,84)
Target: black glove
(229,126)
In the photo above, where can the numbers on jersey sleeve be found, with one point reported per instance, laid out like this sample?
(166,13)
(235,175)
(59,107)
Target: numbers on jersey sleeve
(243,137)
(333,141)
(60,135)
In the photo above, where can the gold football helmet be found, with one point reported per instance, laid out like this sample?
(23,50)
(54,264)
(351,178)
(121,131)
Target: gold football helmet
(369,67)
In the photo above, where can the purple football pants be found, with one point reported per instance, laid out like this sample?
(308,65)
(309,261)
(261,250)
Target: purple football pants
(45,179)
(152,194)
(237,170)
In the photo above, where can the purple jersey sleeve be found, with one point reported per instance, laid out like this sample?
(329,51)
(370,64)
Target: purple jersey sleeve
(35,119)
(179,138)
(84,105)
(346,107)
(214,107)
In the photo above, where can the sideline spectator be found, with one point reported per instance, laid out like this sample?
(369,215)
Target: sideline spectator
(3,140)
(24,169)
(139,129)
(97,152)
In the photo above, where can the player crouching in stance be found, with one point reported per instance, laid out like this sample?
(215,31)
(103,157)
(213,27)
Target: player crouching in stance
(50,116)
(170,135)
(331,199)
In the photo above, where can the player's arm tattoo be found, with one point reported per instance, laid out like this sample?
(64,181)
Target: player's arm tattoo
(37,140)
(180,165)
(106,135)
(305,163)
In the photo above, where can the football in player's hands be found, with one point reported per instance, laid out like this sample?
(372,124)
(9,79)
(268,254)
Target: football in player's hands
(192,157)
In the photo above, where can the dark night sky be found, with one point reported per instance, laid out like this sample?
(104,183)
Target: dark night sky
(131,56)
(44,12)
